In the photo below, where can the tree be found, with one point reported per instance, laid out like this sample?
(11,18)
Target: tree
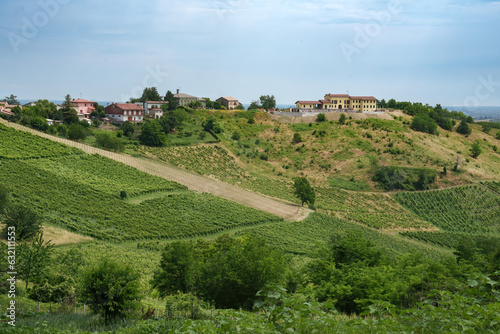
(109,142)
(110,289)
(12,99)
(342,119)
(69,114)
(172,102)
(152,134)
(236,136)
(268,102)
(34,258)
(254,105)
(464,128)
(26,222)
(150,94)
(76,131)
(321,118)
(475,150)
(176,268)
(391,104)
(237,269)
(128,129)
(195,105)
(303,190)
(297,137)
(211,124)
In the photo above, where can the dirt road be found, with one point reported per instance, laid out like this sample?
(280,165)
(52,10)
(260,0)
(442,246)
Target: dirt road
(192,181)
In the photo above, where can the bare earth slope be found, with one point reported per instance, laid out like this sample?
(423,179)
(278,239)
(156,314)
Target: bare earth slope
(192,181)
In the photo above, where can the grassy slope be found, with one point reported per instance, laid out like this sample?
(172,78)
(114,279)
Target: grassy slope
(62,184)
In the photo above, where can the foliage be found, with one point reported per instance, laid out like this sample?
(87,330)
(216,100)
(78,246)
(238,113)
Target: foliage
(424,124)
(267,102)
(464,128)
(321,118)
(128,129)
(304,191)
(236,135)
(152,134)
(228,271)
(150,94)
(110,289)
(26,222)
(475,149)
(172,102)
(407,178)
(176,269)
(12,100)
(34,258)
(342,119)
(297,137)
(70,115)
(109,141)
(211,124)
(76,131)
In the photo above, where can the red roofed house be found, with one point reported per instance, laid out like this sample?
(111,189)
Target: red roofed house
(228,102)
(83,107)
(123,112)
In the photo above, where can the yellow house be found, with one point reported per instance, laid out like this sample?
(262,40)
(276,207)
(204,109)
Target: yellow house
(340,102)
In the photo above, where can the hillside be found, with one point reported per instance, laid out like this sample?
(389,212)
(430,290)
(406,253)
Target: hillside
(79,192)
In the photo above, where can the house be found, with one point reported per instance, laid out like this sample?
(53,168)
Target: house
(228,102)
(83,107)
(185,99)
(153,108)
(339,102)
(122,112)
(5,110)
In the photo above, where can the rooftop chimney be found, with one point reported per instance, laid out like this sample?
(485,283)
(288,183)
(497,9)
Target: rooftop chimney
(177,90)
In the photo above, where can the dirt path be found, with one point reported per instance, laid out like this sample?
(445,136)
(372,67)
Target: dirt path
(192,181)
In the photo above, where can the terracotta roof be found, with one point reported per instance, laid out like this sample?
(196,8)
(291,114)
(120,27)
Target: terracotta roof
(184,96)
(371,98)
(2,102)
(309,102)
(81,100)
(325,101)
(229,98)
(338,95)
(128,106)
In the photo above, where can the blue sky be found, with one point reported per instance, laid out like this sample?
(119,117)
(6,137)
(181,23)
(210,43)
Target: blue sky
(435,51)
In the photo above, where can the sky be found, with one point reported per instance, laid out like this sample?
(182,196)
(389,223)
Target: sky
(429,51)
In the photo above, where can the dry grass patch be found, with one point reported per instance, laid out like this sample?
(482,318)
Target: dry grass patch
(59,236)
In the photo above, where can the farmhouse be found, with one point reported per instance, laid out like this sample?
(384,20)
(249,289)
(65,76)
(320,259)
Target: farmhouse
(338,102)
(123,112)
(228,102)
(153,108)
(185,99)
(83,107)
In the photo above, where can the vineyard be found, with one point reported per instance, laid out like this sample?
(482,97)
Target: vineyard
(23,145)
(82,193)
(494,186)
(302,238)
(204,160)
(371,209)
(469,209)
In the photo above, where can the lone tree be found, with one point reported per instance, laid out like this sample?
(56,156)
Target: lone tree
(475,150)
(110,289)
(304,191)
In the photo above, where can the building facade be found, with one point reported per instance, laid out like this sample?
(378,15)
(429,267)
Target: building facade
(339,102)
(122,112)
(185,99)
(83,107)
(154,108)
(228,102)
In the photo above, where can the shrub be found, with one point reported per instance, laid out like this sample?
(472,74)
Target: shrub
(321,118)
(297,137)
